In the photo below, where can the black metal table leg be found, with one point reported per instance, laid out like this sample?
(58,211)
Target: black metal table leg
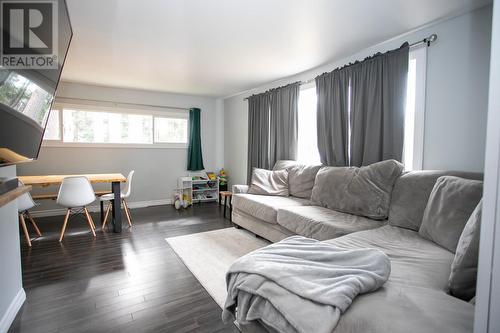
(102,211)
(225,200)
(117,210)
(231,208)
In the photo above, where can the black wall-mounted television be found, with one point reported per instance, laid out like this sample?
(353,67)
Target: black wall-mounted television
(35,38)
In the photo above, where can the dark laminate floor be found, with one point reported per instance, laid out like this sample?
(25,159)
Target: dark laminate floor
(129,282)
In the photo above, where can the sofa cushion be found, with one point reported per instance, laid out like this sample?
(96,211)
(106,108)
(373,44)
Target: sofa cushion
(414,299)
(264,207)
(322,223)
(411,193)
(266,182)
(462,282)
(301,180)
(450,205)
(364,191)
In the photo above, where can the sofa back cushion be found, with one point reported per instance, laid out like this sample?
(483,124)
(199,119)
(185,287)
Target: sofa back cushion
(450,205)
(301,180)
(267,182)
(364,191)
(462,282)
(300,177)
(411,193)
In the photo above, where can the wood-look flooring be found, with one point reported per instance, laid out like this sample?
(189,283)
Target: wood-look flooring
(128,282)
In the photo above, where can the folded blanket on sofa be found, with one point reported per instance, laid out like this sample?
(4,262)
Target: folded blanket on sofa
(301,284)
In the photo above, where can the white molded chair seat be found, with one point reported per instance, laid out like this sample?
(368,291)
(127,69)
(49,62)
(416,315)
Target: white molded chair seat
(76,192)
(123,195)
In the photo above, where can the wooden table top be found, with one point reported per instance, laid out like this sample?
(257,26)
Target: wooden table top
(57,179)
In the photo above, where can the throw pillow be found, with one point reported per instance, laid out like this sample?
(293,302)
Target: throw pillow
(462,281)
(450,204)
(364,191)
(266,182)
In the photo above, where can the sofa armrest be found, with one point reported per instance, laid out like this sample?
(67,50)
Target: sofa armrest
(240,189)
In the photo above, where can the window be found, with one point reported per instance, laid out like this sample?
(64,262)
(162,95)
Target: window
(307,138)
(171,130)
(98,125)
(415,110)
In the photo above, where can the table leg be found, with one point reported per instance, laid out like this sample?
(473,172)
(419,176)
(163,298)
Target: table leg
(225,201)
(102,211)
(231,208)
(117,210)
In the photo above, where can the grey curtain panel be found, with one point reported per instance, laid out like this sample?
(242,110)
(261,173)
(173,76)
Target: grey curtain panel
(378,99)
(332,90)
(258,133)
(195,158)
(283,134)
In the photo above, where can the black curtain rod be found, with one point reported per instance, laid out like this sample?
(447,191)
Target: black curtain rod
(427,40)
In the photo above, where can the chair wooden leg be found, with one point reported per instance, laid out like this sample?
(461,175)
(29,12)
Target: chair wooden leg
(38,232)
(127,213)
(89,220)
(64,225)
(106,216)
(25,230)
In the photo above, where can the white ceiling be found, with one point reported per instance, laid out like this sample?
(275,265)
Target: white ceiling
(220,47)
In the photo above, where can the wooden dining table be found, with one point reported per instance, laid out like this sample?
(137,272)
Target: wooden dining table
(114,178)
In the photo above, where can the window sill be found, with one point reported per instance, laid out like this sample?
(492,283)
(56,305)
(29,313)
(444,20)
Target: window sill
(59,144)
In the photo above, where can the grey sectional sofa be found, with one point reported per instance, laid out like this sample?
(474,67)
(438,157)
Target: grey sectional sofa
(415,297)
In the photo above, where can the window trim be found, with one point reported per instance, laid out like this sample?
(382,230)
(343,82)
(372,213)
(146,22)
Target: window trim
(95,106)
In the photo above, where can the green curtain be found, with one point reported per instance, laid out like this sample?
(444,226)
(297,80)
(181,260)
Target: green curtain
(195,158)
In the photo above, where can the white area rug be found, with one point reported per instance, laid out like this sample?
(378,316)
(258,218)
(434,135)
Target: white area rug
(208,255)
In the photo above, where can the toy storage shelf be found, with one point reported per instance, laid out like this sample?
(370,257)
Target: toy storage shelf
(199,190)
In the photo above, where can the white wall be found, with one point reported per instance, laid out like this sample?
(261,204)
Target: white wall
(12,294)
(157,170)
(456,101)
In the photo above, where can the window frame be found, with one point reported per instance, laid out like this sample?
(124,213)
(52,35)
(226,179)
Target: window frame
(120,108)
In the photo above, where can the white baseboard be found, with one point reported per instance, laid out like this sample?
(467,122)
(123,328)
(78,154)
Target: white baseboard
(9,315)
(96,208)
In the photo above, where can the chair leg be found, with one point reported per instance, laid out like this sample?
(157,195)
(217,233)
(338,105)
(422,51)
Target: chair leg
(89,220)
(106,216)
(38,232)
(127,213)
(64,225)
(25,230)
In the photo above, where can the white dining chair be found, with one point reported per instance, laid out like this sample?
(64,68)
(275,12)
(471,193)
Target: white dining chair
(76,194)
(124,195)
(24,203)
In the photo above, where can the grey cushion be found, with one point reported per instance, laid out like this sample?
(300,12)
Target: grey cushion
(266,182)
(414,297)
(301,180)
(264,207)
(451,202)
(411,193)
(322,223)
(462,282)
(364,191)
(284,164)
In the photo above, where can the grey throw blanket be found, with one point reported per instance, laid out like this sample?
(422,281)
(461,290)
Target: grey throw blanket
(300,284)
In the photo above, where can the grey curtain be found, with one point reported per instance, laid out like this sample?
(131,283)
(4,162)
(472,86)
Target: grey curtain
(283,131)
(258,133)
(378,98)
(332,90)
